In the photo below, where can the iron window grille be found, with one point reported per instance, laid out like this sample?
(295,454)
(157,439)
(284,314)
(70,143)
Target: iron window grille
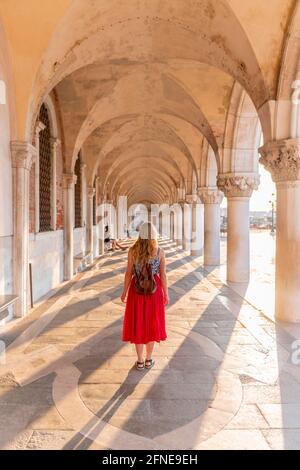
(77,194)
(45,171)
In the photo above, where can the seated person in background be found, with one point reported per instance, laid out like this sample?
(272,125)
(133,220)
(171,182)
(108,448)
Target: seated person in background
(126,231)
(108,239)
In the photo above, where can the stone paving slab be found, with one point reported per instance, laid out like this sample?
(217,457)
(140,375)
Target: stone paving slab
(222,380)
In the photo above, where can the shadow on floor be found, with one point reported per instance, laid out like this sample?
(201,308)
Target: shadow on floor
(186,385)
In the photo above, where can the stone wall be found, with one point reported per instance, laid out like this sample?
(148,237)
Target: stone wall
(79,240)
(46,254)
(96,241)
(6,196)
(6,277)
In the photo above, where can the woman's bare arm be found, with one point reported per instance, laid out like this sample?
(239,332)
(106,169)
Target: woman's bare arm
(128,276)
(163,276)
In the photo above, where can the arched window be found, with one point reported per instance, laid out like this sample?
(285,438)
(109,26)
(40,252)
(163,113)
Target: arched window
(45,171)
(77,193)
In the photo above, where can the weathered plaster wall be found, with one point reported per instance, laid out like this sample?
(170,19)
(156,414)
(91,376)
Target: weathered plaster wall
(6,203)
(29,26)
(46,254)
(79,240)
(6,275)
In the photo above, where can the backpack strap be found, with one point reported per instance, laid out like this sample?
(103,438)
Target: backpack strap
(135,271)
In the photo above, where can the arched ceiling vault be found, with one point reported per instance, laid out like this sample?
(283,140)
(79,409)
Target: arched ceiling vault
(137,146)
(127,178)
(125,155)
(155,195)
(232,35)
(121,188)
(142,92)
(220,33)
(147,134)
(142,84)
(157,161)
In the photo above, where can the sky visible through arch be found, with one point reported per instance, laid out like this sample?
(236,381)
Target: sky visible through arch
(260,199)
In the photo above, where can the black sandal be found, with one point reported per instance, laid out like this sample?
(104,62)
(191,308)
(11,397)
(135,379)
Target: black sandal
(149,363)
(139,365)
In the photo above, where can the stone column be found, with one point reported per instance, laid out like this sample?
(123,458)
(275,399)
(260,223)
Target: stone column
(178,224)
(195,237)
(96,198)
(211,198)
(122,216)
(23,155)
(184,210)
(90,225)
(282,159)
(40,127)
(54,144)
(172,226)
(238,190)
(69,180)
(100,219)
(83,194)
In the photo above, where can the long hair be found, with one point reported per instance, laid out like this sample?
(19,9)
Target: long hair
(145,246)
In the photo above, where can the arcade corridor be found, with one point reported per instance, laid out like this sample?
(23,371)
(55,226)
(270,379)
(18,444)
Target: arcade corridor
(222,380)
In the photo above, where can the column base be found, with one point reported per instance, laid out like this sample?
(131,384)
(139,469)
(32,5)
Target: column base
(287,307)
(101,247)
(238,279)
(284,318)
(196,252)
(212,262)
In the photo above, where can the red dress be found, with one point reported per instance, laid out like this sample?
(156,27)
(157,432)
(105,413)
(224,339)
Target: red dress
(144,319)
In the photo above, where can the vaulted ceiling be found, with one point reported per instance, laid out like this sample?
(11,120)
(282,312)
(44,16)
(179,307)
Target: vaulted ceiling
(144,87)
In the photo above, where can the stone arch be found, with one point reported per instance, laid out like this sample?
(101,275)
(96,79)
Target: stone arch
(55,126)
(174,146)
(158,161)
(124,100)
(290,69)
(242,135)
(127,158)
(128,179)
(83,44)
(8,133)
(280,119)
(210,169)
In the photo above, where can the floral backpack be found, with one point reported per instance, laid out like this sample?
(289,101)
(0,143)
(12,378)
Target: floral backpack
(145,283)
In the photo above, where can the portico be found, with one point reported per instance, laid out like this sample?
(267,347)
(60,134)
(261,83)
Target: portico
(116,112)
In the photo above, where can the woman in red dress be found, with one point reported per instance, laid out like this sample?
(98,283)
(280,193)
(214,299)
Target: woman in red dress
(144,320)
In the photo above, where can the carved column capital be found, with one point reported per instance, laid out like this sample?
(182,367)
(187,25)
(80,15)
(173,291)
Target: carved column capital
(23,154)
(233,185)
(282,159)
(54,142)
(91,192)
(210,195)
(180,194)
(39,127)
(68,180)
(83,167)
(191,198)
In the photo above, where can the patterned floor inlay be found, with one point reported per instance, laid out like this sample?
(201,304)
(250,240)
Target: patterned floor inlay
(223,379)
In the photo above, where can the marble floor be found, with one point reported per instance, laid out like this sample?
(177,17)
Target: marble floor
(224,379)
(260,291)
